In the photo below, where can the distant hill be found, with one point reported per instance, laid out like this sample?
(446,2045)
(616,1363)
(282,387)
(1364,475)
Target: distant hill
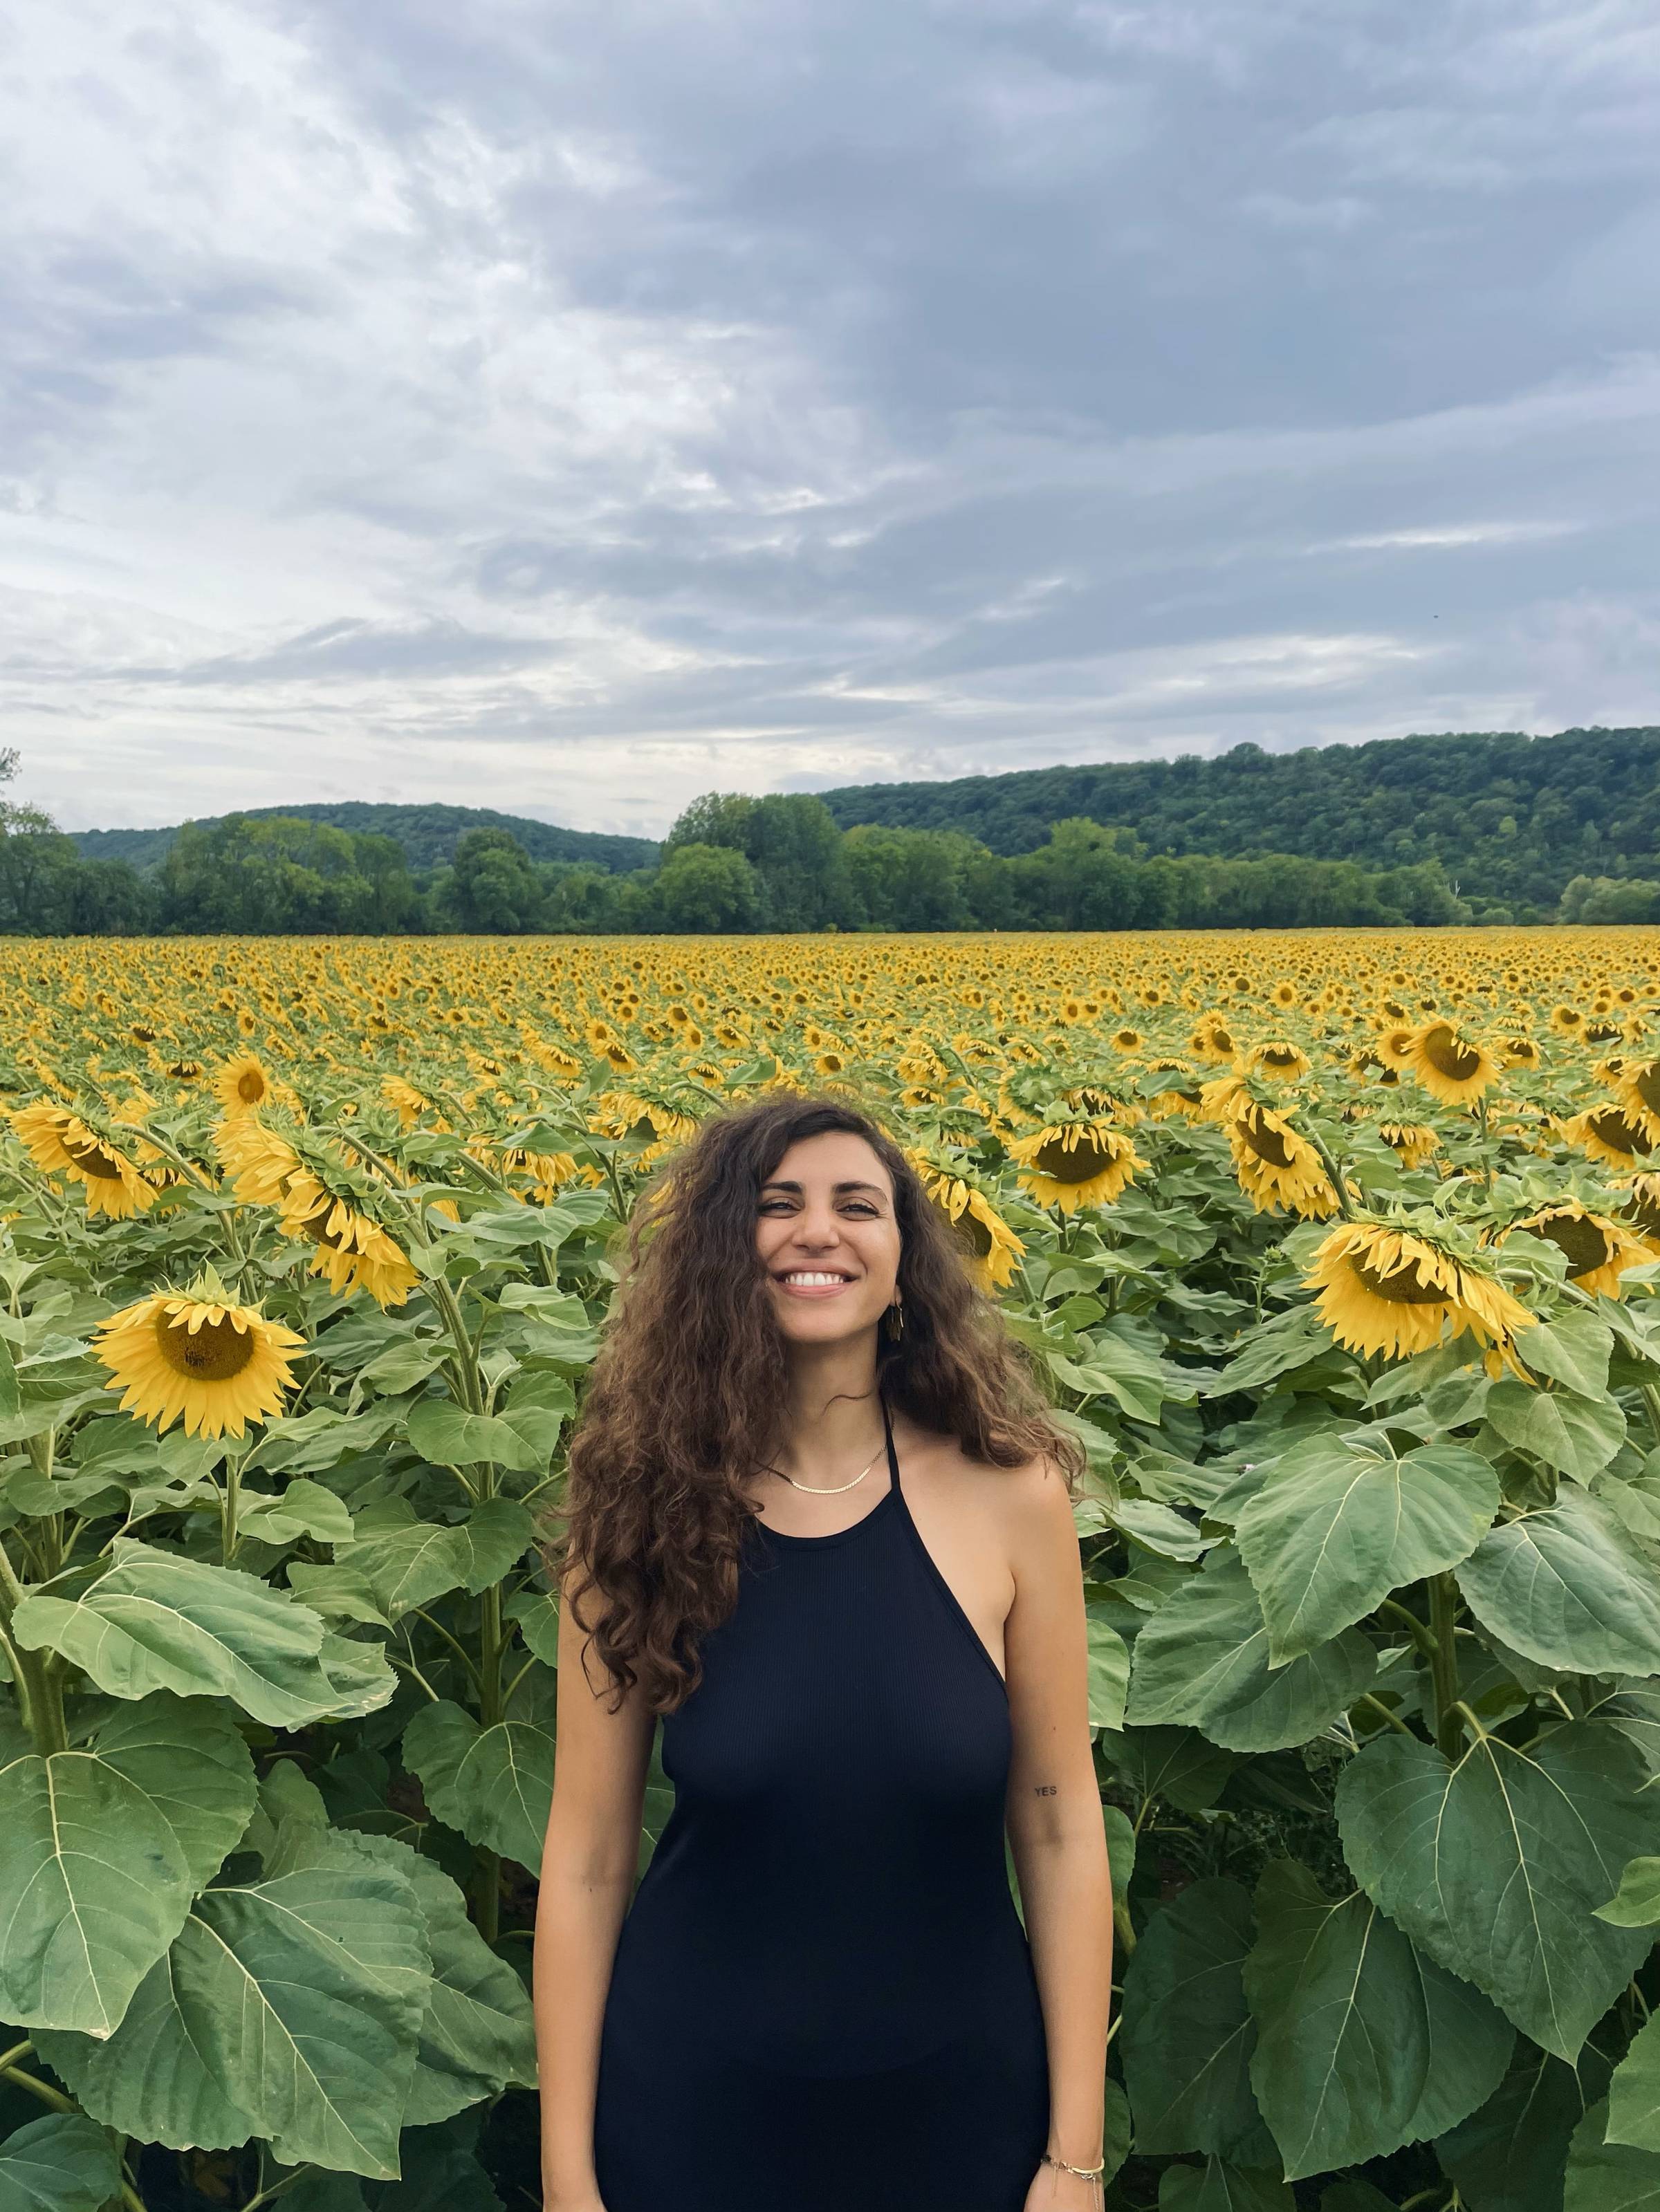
(1513,818)
(427,833)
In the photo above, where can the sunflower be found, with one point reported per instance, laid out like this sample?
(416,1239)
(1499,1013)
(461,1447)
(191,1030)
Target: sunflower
(1391,1291)
(1637,1087)
(60,1143)
(1276,1166)
(1517,1052)
(1182,1100)
(243,1085)
(407,1102)
(991,1247)
(196,1354)
(1278,1058)
(1608,1133)
(259,1161)
(1451,1067)
(1598,1250)
(1394,1048)
(1414,1140)
(1212,1039)
(353,1253)
(1072,1163)
(1642,1208)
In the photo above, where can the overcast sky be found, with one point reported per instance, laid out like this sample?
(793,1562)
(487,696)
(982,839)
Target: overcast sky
(573,407)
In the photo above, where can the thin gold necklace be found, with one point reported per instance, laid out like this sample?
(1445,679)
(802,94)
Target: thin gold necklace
(817,1489)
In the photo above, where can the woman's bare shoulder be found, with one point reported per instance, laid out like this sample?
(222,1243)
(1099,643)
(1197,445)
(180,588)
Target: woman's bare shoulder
(1031,1496)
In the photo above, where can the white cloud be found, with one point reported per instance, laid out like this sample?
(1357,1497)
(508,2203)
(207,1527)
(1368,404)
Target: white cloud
(574,410)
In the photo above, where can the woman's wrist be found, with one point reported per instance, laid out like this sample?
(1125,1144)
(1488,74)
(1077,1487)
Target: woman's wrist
(1076,2156)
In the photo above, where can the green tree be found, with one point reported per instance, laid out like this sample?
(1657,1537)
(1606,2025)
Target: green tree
(282,875)
(705,890)
(492,888)
(911,879)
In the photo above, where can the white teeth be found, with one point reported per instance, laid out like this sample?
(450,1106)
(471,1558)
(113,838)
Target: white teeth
(812,1281)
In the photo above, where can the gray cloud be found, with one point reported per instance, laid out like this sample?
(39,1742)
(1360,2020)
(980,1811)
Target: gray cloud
(573,410)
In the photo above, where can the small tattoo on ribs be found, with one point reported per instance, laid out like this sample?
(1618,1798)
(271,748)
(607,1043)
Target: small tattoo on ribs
(1045,1790)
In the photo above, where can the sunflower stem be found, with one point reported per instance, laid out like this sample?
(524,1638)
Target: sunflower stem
(466,1360)
(1651,1395)
(1333,1174)
(1443,1665)
(1382,1710)
(35,2087)
(172,1152)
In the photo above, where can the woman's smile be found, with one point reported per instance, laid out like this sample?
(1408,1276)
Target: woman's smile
(813,1282)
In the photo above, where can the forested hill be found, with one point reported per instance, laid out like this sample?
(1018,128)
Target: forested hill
(1513,818)
(427,833)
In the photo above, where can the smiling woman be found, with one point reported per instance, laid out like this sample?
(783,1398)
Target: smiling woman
(821,1994)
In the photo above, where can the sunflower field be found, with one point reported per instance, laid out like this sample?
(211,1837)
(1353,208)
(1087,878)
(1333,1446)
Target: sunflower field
(1339,1251)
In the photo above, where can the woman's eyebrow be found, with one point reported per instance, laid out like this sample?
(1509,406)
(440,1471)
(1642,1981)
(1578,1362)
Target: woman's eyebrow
(776,1185)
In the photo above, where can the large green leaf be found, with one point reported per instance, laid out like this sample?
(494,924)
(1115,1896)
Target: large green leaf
(1217,2187)
(498,1533)
(1569,1587)
(153,1620)
(1495,1865)
(1187,2035)
(1634,2091)
(478,2033)
(1109,1671)
(150,2079)
(1343,2009)
(103,1848)
(1635,1903)
(1331,1532)
(305,1995)
(290,2009)
(302,1508)
(1174,1763)
(1576,1435)
(1609,2177)
(1510,2156)
(1203,1659)
(64,2163)
(1574,1350)
(495,1785)
(407,1567)
(445,1432)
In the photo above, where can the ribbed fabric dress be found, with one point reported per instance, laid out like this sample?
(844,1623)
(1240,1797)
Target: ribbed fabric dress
(822,1999)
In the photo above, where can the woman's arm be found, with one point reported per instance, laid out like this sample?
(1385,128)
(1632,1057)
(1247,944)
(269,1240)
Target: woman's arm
(1056,1833)
(589,1861)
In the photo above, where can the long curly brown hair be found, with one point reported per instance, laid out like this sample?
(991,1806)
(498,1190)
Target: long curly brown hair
(687,1398)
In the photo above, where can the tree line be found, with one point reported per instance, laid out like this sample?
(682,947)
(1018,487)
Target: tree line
(731,863)
(1513,820)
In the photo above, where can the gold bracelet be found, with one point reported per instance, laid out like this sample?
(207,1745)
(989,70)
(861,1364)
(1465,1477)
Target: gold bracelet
(1084,2172)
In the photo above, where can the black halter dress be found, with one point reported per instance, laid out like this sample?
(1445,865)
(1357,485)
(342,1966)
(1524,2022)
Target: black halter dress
(822,1998)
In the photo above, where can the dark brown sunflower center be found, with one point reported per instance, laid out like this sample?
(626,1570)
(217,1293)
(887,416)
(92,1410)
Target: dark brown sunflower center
(1404,1286)
(1610,1127)
(1646,1084)
(1580,1242)
(1265,1141)
(92,1158)
(212,1353)
(1280,1056)
(973,1232)
(1644,1210)
(1448,1056)
(1087,1157)
(250,1086)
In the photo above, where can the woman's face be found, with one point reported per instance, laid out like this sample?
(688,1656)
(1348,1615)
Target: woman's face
(828,1239)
